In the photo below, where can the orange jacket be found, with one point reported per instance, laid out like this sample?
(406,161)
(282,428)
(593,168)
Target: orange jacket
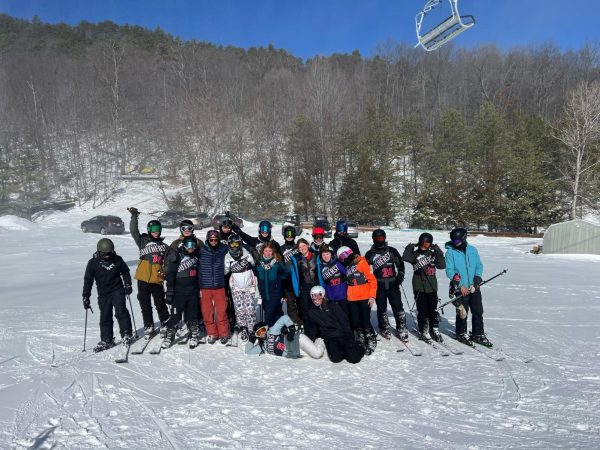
(362,284)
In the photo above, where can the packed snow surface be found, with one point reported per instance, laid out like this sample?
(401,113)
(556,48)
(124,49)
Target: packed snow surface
(542,316)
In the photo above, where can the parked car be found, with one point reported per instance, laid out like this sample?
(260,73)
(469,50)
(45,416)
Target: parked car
(352,229)
(294,221)
(323,222)
(216,220)
(199,219)
(103,225)
(171,218)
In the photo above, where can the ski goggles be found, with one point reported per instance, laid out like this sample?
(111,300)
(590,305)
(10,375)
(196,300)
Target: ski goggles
(234,245)
(317,295)
(261,332)
(457,241)
(379,239)
(289,234)
(187,228)
(154,229)
(213,239)
(264,229)
(318,236)
(190,244)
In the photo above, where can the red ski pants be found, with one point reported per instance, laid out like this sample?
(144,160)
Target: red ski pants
(211,301)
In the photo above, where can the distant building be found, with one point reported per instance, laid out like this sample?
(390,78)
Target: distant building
(575,236)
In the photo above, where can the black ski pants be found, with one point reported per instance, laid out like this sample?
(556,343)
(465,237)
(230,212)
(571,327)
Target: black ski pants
(395,299)
(272,310)
(339,349)
(106,304)
(473,302)
(187,307)
(145,292)
(360,315)
(305,303)
(427,315)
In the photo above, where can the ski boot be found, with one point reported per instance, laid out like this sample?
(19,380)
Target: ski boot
(481,339)
(371,341)
(425,336)
(127,340)
(464,339)
(384,327)
(104,345)
(360,338)
(163,330)
(225,340)
(386,333)
(149,332)
(244,334)
(169,337)
(211,339)
(201,334)
(194,332)
(401,327)
(436,335)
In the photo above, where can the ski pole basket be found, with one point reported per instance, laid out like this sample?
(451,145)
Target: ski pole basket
(445,31)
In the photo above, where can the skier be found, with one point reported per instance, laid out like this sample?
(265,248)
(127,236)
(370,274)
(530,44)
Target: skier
(289,249)
(279,340)
(211,280)
(113,283)
(271,274)
(186,228)
(425,256)
(388,268)
(242,284)
(362,290)
(464,265)
(333,277)
(341,238)
(318,235)
(303,268)
(182,290)
(225,229)
(264,236)
(149,272)
(334,327)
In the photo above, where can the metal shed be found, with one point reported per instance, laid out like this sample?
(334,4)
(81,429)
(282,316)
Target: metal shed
(574,236)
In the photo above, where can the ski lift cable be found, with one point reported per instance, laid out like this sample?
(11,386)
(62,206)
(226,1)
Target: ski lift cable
(445,31)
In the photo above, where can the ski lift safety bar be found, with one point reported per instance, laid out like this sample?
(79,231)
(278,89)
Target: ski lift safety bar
(445,31)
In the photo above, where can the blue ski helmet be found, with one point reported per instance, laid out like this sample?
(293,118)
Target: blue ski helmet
(341,226)
(265,227)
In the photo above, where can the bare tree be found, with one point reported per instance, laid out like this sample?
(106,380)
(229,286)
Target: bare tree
(579,131)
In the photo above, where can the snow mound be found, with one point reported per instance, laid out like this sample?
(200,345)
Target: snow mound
(16,223)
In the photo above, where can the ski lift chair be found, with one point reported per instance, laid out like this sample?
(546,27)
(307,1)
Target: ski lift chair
(445,31)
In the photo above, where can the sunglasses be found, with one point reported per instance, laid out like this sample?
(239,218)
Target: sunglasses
(318,295)
(187,228)
(213,239)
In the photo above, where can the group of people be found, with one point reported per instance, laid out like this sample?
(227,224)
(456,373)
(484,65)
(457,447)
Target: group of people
(328,289)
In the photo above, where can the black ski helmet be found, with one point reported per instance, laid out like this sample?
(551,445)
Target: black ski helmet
(265,226)
(235,246)
(153,226)
(186,223)
(378,237)
(226,222)
(190,242)
(105,245)
(341,226)
(458,234)
(425,237)
(289,232)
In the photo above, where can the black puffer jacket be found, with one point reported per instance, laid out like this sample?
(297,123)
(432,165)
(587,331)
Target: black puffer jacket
(343,241)
(331,321)
(109,274)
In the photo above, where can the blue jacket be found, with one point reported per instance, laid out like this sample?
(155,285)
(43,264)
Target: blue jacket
(271,274)
(465,263)
(212,266)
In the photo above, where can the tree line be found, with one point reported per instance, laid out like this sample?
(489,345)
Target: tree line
(485,138)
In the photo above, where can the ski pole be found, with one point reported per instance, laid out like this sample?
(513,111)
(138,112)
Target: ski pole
(132,316)
(85,328)
(478,286)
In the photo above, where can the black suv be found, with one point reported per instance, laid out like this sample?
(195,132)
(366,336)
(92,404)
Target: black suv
(103,225)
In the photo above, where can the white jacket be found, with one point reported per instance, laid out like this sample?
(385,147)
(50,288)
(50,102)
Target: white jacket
(242,276)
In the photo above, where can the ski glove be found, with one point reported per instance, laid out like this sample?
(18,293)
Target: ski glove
(86,303)
(128,289)
(133,210)
(477,281)
(461,311)
(169,298)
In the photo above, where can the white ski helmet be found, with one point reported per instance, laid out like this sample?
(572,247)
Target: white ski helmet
(343,253)
(317,290)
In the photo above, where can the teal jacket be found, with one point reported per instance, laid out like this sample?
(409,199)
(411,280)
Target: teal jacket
(465,263)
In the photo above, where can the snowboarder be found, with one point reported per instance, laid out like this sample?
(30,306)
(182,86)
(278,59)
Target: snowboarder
(341,238)
(271,274)
(333,326)
(149,272)
(425,256)
(464,266)
(211,279)
(242,284)
(113,283)
(362,290)
(182,289)
(303,269)
(388,268)
(186,228)
(279,340)
(289,249)
(333,278)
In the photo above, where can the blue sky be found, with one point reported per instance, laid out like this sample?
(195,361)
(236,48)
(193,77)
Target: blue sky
(309,27)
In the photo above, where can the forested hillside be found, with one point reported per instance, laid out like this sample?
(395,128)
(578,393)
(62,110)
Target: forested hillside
(478,137)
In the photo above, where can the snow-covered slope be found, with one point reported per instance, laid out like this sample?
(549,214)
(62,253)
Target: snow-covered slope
(545,308)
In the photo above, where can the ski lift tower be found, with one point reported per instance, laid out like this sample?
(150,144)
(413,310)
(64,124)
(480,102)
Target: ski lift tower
(445,31)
